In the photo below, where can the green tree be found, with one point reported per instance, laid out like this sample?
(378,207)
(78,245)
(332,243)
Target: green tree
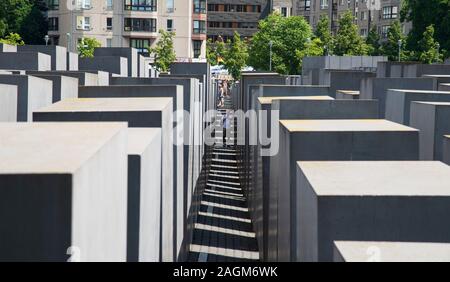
(373,42)
(323,33)
(86,47)
(215,52)
(347,40)
(288,36)
(164,53)
(35,25)
(12,39)
(423,14)
(235,56)
(429,47)
(313,48)
(13,14)
(390,47)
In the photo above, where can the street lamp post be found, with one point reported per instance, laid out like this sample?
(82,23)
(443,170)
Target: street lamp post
(69,41)
(46,38)
(399,49)
(270,62)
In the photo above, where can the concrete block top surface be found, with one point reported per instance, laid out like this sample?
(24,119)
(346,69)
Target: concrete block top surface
(140,138)
(354,251)
(41,148)
(349,92)
(377,178)
(419,91)
(269,100)
(343,125)
(108,105)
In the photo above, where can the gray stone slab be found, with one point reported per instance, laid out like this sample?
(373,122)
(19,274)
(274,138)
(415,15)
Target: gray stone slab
(419,70)
(344,79)
(112,64)
(303,107)
(364,251)
(376,88)
(25,61)
(432,119)
(327,140)
(176,93)
(85,78)
(398,102)
(130,53)
(392,69)
(8,103)
(64,87)
(72,61)
(369,201)
(58,54)
(446,149)
(138,112)
(32,94)
(347,95)
(144,194)
(6,48)
(444,87)
(441,78)
(63,198)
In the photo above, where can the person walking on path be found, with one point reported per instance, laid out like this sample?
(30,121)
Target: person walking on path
(226,123)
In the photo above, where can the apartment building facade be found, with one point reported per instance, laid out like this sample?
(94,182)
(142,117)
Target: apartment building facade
(227,16)
(367,13)
(283,7)
(131,23)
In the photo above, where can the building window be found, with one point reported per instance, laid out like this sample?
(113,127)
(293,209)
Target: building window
(109,24)
(284,12)
(200,6)
(197,48)
(84,4)
(109,42)
(307,5)
(134,24)
(199,27)
(170,25)
(141,5)
(140,44)
(53,4)
(323,4)
(83,23)
(53,24)
(170,6)
(384,31)
(390,12)
(363,32)
(109,4)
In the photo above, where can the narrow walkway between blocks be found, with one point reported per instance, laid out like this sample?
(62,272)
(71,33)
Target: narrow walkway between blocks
(223,231)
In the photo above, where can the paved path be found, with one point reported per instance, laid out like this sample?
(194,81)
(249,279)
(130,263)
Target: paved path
(224,231)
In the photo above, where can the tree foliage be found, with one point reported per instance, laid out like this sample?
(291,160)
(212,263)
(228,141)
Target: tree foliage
(288,36)
(429,47)
(86,47)
(422,14)
(215,52)
(373,42)
(12,39)
(313,48)
(25,17)
(390,47)
(323,33)
(35,24)
(163,52)
(348,41)
(235,56)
